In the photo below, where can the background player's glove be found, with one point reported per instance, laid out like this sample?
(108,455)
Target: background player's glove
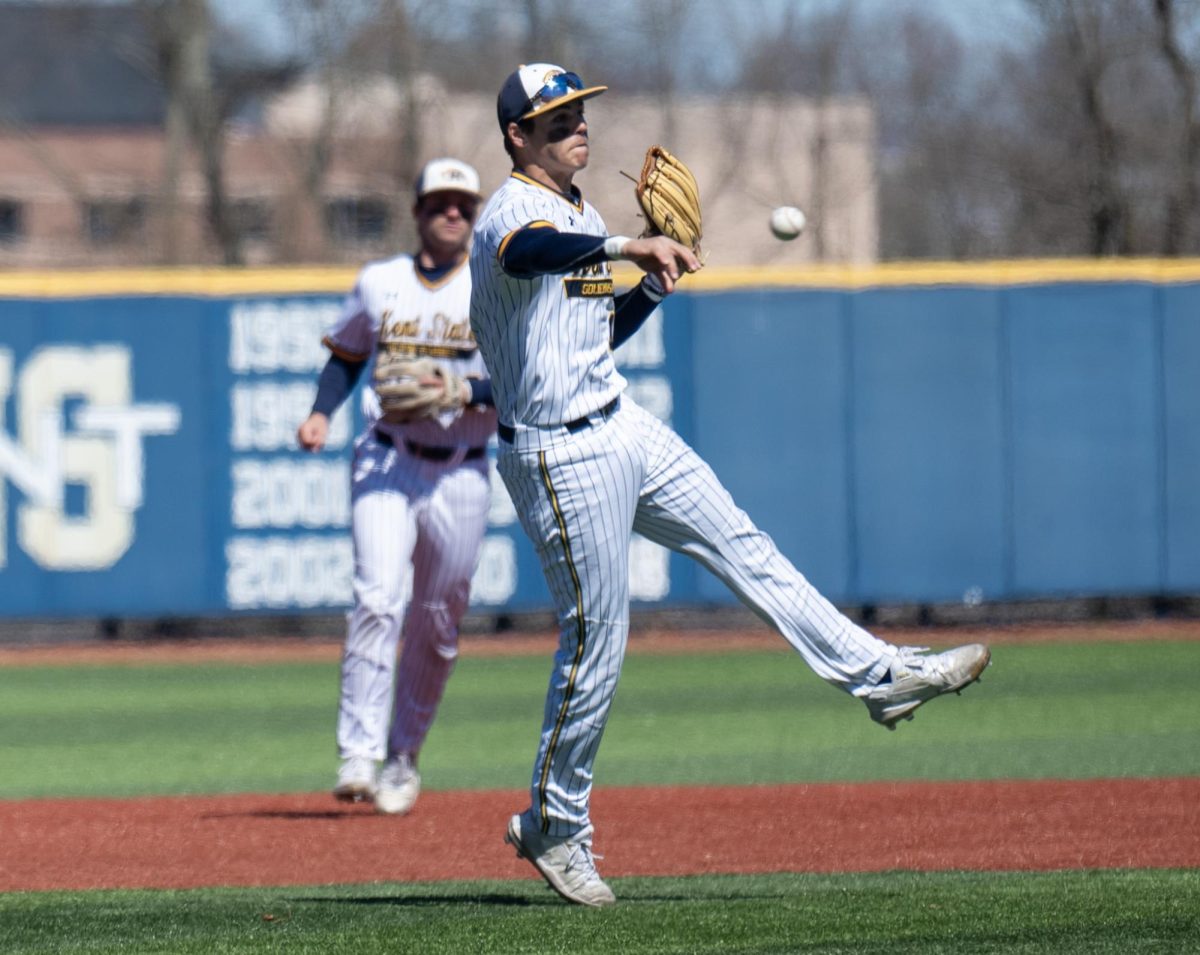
(670,198)
(410,389)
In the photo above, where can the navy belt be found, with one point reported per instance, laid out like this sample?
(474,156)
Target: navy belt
(431,452)
(508,434)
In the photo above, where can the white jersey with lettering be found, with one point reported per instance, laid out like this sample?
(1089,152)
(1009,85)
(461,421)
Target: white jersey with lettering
(548,336)
(585,473)
(420,496)
(395,308)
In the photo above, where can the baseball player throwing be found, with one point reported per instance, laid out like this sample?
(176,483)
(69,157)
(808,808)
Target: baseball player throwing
(419,485)
(586,467)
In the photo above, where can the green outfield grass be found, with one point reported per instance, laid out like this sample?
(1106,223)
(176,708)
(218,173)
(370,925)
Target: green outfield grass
(1099,913)
(1063,711)
(1067,711)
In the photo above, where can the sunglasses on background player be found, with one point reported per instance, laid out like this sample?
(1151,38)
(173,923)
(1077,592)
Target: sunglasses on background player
(466,206)
(559,86)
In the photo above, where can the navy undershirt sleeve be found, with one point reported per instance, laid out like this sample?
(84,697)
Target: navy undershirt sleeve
(337,380)
(632,310)
(481,391)
(546,251)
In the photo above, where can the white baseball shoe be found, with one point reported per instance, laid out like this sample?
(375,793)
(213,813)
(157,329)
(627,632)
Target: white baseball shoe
(399,786)
(917,677)
(355,780)
(566,864)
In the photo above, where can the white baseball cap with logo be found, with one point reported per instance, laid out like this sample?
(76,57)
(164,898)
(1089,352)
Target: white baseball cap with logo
(447,175)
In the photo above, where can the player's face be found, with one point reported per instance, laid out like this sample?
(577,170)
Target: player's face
(444,219)
(560,138)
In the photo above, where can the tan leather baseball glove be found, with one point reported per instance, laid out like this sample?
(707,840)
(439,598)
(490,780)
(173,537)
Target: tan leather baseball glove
(670,198)
(410,388)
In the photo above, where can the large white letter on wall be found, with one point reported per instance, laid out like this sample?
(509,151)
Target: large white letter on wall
(103,531)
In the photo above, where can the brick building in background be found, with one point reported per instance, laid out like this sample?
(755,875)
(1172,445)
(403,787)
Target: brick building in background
(84,160)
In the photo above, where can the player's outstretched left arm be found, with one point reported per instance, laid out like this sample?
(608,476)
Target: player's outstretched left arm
(543,250)
(659,256)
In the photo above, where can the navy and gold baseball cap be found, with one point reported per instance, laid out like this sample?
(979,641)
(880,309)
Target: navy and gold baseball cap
(537,87)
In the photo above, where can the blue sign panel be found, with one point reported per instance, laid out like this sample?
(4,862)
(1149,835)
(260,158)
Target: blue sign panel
(105,500)
(982,440)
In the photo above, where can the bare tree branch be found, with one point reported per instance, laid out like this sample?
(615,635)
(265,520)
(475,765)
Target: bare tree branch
(1107,205)
(1183,201)
(183,29)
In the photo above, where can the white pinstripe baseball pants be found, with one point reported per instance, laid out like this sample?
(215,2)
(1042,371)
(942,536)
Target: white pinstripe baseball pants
(423,518)
(580,497)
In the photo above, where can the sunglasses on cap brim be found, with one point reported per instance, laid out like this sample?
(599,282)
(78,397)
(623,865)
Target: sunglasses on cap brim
(558,87)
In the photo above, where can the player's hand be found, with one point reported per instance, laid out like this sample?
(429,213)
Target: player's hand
(456,393)
(313,432)
(661,257)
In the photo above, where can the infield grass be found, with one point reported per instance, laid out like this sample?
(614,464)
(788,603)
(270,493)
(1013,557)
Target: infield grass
(1065,913)
(750,717)
(1056,710)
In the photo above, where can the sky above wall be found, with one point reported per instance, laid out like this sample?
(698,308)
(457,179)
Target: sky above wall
(982,20)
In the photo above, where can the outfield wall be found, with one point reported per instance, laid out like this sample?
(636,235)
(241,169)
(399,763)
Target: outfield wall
(905,433)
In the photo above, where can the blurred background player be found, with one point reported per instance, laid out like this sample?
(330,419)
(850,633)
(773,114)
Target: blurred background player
(419,491)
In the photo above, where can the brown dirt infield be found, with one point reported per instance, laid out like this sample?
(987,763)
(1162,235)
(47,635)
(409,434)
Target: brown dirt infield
(306,839)
(259,650)
(309,839)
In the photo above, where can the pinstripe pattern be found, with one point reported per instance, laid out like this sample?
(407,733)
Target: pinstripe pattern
(581,640)
(417,525)
(580,533)
(592,490)
(581,495)
(689,511)
(548,353)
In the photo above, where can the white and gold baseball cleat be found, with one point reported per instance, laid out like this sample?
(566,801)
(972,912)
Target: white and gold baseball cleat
(399,786)
(916,677)
(567,865)
(355,780)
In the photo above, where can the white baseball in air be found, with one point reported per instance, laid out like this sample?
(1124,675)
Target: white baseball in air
(787,222)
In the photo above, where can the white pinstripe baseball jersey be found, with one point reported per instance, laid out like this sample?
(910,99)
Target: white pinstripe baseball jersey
(393,306)
(417,522)
(546,339)
(583,487)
